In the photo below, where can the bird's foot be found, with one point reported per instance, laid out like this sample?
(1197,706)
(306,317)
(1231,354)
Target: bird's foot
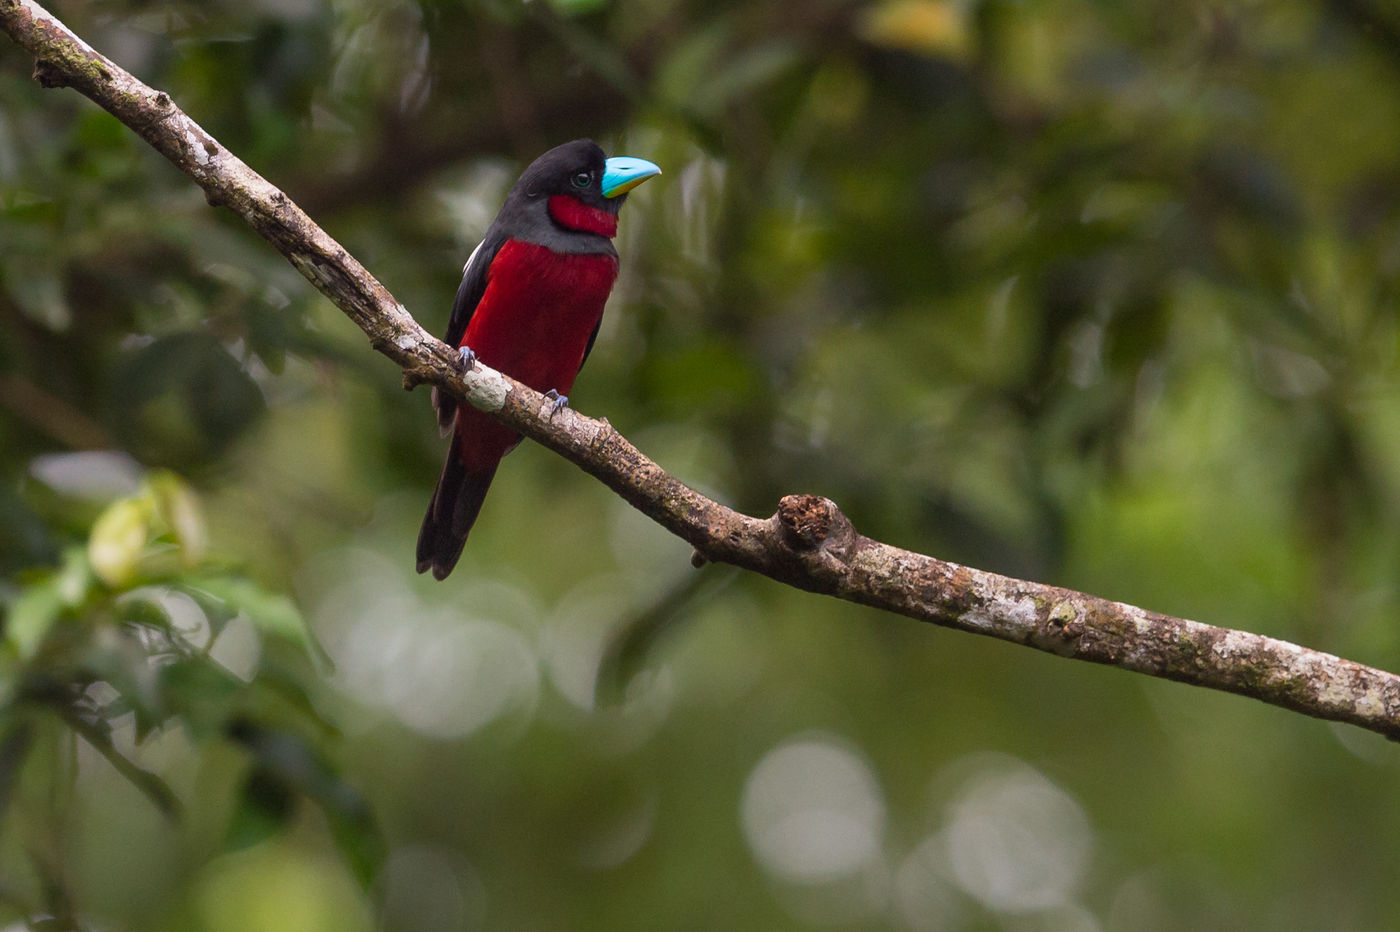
(467,356)
(560,401)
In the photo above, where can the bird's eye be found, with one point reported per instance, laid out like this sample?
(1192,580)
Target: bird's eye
(583,179)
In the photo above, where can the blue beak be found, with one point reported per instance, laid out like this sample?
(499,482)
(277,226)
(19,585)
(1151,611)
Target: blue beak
(622,173)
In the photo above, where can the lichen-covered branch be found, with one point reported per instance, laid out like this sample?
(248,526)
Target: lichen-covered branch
(808,543)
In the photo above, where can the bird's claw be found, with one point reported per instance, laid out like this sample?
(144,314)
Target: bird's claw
(468,357)
(559,401)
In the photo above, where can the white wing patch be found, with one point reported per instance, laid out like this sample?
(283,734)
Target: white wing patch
(445,426)
(472,258)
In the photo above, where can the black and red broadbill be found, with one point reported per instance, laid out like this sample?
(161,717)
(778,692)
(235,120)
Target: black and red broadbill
(529,305)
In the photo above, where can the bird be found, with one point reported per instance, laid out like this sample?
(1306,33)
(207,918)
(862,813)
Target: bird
(529,305)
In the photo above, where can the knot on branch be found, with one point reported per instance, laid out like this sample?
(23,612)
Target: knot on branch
(810,522)
(813,543)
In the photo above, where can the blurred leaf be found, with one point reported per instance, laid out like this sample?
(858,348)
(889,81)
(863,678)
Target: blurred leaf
(128,663)
(264,808)
(39,293)
(142,611)
(271,613)
(930,26)
(631,646)
(32,615)
(289,761)
(75,576)
(286,684)
(97,733)
(357,836)
(178,506)
(118,540)
(203,694)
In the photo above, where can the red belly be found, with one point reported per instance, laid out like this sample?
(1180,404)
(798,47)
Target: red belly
(532,323)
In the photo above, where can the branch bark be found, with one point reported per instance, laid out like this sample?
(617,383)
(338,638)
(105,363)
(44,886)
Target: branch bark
(808,543)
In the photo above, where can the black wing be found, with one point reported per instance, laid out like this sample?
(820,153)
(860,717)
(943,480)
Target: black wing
(592,338)
(474,276)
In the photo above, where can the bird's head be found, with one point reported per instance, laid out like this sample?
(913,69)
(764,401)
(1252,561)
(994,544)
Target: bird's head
(583,188)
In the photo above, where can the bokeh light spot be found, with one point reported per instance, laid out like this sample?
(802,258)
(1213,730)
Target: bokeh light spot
(1016,841)
(813,811)
(437,671)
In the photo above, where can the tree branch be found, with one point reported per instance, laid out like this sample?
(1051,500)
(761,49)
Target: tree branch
(808,543)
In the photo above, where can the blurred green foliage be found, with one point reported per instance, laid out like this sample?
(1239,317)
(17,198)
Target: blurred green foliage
(1102,295)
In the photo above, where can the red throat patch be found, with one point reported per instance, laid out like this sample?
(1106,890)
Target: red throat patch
(572,213)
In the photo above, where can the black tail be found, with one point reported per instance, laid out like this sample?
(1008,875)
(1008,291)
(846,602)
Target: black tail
(451,514)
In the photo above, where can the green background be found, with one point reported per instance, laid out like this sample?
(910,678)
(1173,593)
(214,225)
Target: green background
(1097,294)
